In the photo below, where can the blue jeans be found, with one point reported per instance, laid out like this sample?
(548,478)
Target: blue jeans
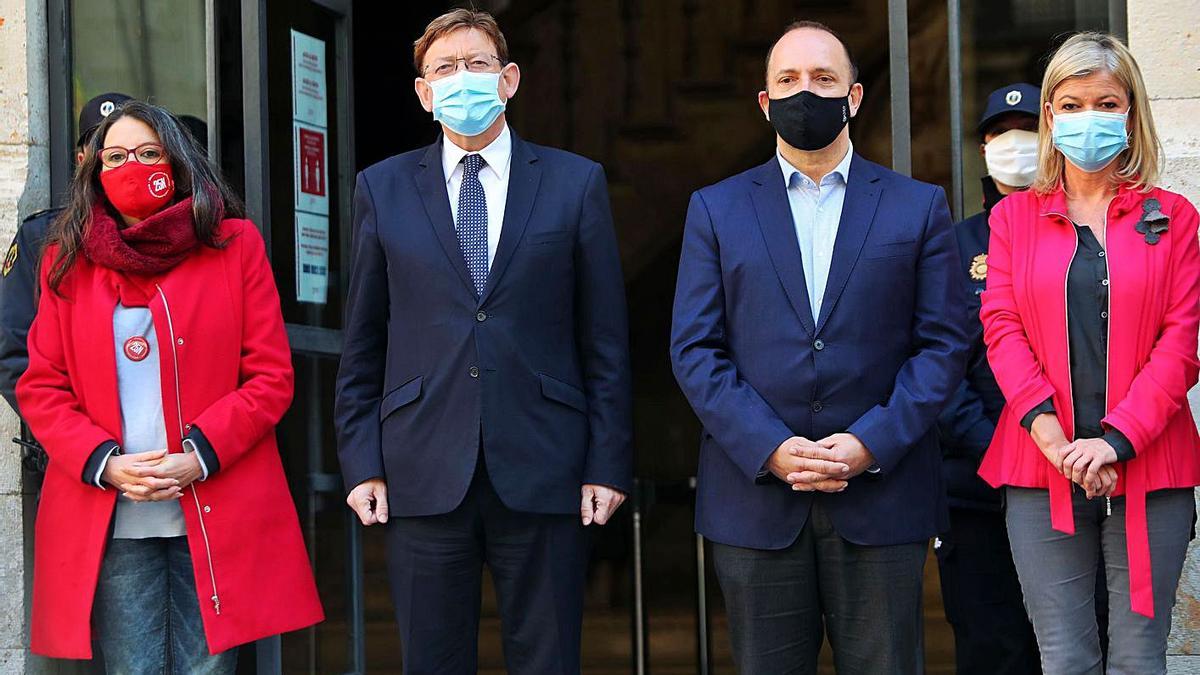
(147,615)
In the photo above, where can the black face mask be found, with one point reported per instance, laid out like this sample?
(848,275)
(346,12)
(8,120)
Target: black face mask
(809,122)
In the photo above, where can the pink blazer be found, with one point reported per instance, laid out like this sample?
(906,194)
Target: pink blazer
(1154,315)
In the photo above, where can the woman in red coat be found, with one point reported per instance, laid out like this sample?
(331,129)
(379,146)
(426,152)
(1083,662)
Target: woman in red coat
(158,369)
(1090,317)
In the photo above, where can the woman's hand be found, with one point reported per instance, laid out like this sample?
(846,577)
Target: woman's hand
(129,473)
(1105,484)
(1048,434)
(1083,459)
(179,469)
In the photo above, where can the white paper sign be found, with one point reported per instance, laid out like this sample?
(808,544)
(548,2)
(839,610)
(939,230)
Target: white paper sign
(309,103)
(312,257)
(310,162)
(310,172)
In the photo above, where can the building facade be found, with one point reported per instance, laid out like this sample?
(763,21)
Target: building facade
(297,95)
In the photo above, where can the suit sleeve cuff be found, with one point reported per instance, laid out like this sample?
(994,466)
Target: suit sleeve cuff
(209,462)
(94,468)
(1121,444)
(1046,406)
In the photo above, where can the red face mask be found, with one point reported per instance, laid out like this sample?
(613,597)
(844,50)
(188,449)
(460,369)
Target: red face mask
(139,190)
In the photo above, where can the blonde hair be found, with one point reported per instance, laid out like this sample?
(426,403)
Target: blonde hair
(1081,55)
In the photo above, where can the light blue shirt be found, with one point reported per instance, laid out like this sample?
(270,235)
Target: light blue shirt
(816,213)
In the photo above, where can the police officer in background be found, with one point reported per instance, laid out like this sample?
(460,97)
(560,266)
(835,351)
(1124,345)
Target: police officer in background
(18,278)
(982,596)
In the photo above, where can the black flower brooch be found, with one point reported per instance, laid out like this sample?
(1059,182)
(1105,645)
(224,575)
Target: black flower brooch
(1153,223)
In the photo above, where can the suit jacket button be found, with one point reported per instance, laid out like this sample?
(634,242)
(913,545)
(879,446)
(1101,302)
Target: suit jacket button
(819,345)
(474,371)
(481,317)
(817,407)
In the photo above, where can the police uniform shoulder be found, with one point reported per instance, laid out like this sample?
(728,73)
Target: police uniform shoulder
(46,215)
(971,224)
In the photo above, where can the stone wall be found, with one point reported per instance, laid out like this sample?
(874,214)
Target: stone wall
(1165,37)
(24,188)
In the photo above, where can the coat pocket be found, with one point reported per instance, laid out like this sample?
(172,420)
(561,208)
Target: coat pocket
(552,237)
(891,249)
(566,394)
(400,397)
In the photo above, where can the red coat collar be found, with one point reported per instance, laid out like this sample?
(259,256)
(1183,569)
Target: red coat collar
(1128,199)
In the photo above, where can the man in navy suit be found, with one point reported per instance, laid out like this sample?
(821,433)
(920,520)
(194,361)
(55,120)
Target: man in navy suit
(483,399)
(817,334)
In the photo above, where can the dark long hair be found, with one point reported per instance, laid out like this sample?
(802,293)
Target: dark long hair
(195,177)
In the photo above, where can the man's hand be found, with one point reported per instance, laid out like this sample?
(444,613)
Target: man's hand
(124,473)
(599,503)
(807,466)
(369,501)
(1048,434)
(1082,460)
(847,449)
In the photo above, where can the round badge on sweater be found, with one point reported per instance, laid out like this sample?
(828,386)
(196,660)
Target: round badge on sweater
(136,348)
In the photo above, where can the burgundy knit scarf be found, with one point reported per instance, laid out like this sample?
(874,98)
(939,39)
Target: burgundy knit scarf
(152,246)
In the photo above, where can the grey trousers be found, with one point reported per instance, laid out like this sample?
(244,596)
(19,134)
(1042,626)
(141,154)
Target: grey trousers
(780,603)
(1058,579)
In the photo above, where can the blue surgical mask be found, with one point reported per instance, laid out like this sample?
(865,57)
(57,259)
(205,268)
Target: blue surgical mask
(467,103)
(1091,139)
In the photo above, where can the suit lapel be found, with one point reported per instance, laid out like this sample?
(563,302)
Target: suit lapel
(431,182)
(775,219)
(858,212)
(524,176)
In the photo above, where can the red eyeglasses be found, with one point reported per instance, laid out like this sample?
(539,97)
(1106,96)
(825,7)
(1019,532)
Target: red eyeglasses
(146,153)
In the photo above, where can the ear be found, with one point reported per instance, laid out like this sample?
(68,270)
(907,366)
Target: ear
(424,93)
(510,79)
(983,149)
(78,158)
(1048,113)
(764,102)
(856,98)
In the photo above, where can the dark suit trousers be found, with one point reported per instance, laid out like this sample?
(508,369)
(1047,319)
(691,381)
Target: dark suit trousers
(781,603)
(537,561)
(982,596)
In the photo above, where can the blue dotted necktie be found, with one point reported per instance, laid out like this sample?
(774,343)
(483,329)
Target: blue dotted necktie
(472,222)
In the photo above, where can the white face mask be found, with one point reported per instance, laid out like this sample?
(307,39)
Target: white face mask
(1012,157)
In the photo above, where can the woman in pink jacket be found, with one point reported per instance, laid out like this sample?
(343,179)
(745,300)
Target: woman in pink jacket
(1090,317)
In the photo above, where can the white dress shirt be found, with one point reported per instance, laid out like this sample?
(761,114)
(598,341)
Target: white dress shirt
(816,214)
(497,157)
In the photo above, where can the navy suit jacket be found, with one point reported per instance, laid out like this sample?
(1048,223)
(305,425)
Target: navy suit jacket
(537,366)
(880,362)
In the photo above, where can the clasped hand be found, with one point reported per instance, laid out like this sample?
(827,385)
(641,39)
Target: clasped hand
(826,465)
(154,476)
(1088,462)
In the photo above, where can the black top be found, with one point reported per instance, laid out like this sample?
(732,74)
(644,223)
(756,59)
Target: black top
(1087,333)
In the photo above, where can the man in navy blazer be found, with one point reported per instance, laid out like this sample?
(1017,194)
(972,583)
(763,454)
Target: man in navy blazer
(817,334)
(483,400)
